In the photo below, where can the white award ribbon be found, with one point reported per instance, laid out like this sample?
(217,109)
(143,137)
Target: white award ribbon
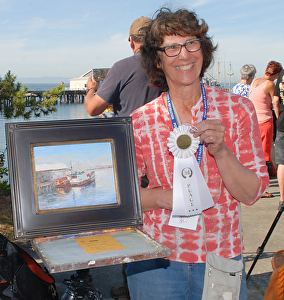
(189,186)
(191,194)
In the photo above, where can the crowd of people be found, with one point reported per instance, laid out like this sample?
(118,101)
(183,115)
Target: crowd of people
(233,131)
(261,92)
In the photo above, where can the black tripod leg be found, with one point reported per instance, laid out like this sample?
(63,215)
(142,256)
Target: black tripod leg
(261,248)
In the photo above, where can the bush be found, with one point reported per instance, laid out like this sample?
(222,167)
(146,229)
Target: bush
(5,188)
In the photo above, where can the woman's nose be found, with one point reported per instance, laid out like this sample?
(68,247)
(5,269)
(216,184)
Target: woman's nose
(183,52)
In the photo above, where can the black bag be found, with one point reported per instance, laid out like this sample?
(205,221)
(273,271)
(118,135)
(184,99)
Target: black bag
(21,277)
(270,168)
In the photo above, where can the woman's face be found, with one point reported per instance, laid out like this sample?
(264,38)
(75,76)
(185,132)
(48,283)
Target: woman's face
(183,69)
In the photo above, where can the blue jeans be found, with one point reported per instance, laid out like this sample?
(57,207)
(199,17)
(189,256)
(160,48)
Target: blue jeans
(161,279)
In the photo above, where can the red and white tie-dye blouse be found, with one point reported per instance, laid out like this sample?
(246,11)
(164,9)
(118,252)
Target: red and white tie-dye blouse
(152,126)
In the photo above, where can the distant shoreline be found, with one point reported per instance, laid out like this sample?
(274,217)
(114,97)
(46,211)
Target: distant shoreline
(33,87)
(46,86)
(43,80)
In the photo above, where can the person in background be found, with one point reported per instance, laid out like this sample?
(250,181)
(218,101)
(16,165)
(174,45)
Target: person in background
(278,105)
(176,53)
(247,76)
(126,85)
(261,94)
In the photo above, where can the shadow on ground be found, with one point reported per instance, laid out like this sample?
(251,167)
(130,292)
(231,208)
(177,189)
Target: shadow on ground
(257,285)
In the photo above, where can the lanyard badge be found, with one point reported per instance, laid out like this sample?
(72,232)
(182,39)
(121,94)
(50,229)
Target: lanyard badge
(190,192)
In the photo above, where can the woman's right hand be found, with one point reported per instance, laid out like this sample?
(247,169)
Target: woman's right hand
(152,199)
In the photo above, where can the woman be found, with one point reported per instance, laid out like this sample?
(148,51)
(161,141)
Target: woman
(176,53)
(261,94)
(247,76)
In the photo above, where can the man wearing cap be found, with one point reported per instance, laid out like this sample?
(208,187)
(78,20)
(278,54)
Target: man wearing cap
(126,85)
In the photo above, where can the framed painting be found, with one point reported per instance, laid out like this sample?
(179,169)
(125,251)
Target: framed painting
(72,176)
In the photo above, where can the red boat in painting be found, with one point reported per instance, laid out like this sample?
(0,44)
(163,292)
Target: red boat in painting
(78,178)
(62,182)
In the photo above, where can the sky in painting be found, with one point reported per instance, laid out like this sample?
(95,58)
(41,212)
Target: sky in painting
(83,155)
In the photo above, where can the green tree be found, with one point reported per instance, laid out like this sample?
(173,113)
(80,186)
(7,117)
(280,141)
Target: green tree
(15,101)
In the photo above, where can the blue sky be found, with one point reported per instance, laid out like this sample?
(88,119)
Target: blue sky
(85,154)
(66,38)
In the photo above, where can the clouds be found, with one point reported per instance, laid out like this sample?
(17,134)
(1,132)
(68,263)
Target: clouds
(67,38)
(246,32)
(69,60)
(249,48)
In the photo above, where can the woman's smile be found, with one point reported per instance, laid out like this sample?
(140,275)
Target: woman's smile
(185,68)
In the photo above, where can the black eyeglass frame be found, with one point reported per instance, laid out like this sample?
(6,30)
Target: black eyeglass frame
(163,49)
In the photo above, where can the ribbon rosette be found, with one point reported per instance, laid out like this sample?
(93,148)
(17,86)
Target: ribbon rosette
(181,142)
(190,192)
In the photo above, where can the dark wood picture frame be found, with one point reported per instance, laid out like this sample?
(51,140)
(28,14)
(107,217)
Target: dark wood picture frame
(22,137)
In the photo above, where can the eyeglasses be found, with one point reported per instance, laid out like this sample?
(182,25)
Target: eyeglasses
(175,49)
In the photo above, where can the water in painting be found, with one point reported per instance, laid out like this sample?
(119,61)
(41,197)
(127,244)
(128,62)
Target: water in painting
(74,176)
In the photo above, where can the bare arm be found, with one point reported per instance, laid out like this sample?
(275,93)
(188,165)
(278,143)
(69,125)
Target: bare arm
(276,105)
(152,199)
(241,182)
(94,104)
(269,89)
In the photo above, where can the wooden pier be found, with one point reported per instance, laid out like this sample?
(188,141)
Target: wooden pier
(72,96)
(68,96)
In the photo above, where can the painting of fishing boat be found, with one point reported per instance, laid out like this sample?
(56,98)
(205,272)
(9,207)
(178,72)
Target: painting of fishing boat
(78,178)
(81,178)
(74,176)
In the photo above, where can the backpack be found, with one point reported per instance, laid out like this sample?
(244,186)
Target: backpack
(21,277)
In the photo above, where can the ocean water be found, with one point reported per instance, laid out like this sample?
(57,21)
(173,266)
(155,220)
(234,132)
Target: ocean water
(64,112)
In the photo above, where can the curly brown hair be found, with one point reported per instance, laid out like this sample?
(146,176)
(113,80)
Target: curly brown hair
(182,23)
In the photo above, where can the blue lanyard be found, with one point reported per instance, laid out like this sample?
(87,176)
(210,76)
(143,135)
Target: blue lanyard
(174,121)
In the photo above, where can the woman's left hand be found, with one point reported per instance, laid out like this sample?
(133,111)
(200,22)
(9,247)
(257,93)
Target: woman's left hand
(211,132)
(91,83)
